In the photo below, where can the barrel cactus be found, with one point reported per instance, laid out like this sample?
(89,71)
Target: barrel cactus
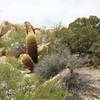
(31,47)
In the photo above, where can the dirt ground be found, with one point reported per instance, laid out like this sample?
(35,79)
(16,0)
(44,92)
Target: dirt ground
(85,84)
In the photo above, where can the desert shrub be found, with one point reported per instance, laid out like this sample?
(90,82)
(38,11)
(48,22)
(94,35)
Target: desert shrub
(51,90)
(9,75)
(84,38)
(56,37)
(43,36)
(74,62)
(50,65)
(51,93)
(9,80)
(2,96)
(13,84)
(15,42)
(95,60)
(85,34)
(14,62)
(59,40)
(81,42)
(27,87)
(76,83)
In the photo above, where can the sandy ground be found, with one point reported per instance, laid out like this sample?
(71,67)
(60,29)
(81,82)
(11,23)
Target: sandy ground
(92,91)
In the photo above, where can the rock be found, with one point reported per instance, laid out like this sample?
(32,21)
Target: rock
(4,28)
(2,51)
(3,60)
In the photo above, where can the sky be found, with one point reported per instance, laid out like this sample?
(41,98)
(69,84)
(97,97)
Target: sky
(47,12)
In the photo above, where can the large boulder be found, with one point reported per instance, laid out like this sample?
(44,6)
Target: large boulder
(5,27)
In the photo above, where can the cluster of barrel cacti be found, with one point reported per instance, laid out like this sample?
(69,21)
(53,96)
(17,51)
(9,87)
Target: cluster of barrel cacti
(30,50)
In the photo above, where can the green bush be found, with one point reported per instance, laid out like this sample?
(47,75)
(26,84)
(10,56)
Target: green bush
(84,34)
(9,75)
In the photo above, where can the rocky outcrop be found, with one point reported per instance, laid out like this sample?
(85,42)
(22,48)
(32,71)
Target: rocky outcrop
(4,28)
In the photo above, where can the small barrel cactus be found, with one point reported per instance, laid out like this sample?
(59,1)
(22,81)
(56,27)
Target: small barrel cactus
(31,47)
(27,61)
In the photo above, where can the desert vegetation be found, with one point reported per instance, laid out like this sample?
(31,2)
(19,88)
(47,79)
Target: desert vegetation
(47,64)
